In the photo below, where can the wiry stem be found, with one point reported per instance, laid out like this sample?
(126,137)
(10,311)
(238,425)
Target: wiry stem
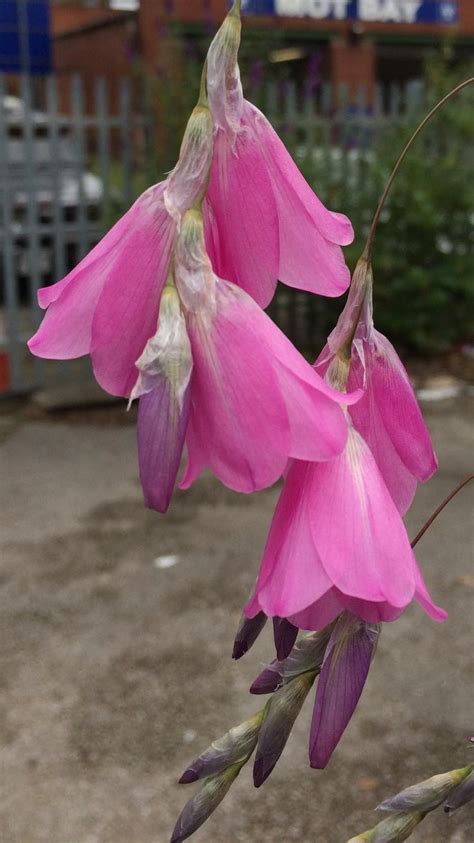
(441,507)
(370,239)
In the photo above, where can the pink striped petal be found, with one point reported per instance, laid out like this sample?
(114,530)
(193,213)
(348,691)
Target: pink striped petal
(310,235)
(127,310)
(368,421)
(399,409)
(423,597)
(243,218)
(238,423)
(358,533)
(161,429)
(291,576)
(340,685)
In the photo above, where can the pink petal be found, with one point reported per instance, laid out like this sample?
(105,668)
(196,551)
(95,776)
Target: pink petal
(340,685)
(422,596)
(238,424)
(291,576)
(161,429)
(358,533)
(369,423)
(320,613)
(243,218)
(399,408)
(310,235)
(127,310)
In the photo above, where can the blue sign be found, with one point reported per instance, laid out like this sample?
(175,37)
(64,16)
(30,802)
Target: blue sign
(380,11)
(25,36)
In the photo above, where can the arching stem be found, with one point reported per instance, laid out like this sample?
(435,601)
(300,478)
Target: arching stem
(441,507)
(370,239)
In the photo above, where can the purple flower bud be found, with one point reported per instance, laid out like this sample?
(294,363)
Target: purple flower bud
(204,803)
(282,711)
(394,829)
(236,746)
(461,795)
(285,635)
(343,675)
(307,654)
(428,794)
(247,633)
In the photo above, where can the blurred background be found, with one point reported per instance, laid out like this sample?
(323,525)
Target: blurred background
(116,624)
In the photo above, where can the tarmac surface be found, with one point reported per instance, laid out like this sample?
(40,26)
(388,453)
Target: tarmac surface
(116,628)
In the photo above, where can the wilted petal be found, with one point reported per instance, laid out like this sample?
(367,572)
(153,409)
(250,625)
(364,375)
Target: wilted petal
(284,634)
(204,803)
(340,685)
(224,87)
(461,796)
(427,794)
(247,633)
(186,182)
(283,709)
(235,746)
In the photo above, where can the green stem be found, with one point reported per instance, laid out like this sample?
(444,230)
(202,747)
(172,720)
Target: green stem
(368,246)
(440,508)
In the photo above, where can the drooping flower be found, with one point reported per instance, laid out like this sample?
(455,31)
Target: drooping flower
(253,400)
(108,305)
(255,189)
(338,542)
(388,416)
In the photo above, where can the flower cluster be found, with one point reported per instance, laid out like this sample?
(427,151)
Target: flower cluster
(169,307)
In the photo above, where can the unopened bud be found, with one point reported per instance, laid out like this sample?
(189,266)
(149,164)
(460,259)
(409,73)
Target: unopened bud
(461,795)
(247,633)
(394,829)
(235,746)
(204,803)
(428,794)
(307,654)
(284,635)
(283,709)
(189,178)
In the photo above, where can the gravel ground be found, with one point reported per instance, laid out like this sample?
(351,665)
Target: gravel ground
(115,672)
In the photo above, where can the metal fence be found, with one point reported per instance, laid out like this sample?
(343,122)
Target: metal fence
(70,163)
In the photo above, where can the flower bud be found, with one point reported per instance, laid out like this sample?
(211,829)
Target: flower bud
(394,829)
(204,803)
(307,654)
(189,178)
(247,633)
(236,746)
(427,794)
(283,709)
(461,795)
(285,635)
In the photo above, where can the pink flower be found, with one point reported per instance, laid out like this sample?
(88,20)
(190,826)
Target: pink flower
(108,305)
(338,542)
(266,222)
(388,416)
(231,384)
